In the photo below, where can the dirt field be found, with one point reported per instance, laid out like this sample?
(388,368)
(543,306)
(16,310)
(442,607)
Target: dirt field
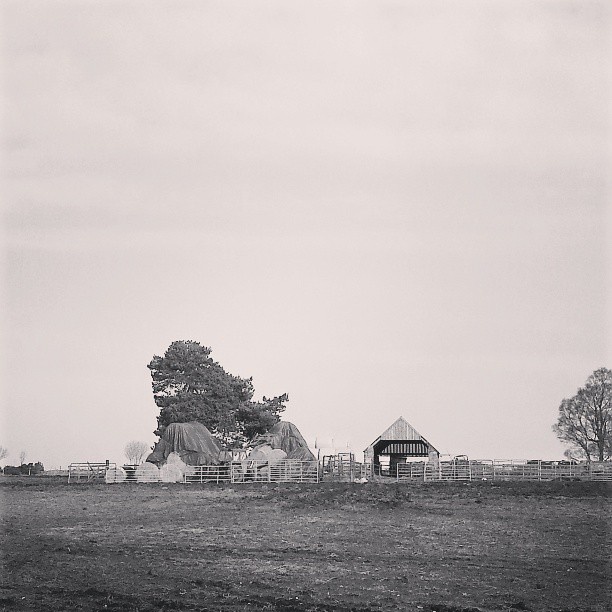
(329,547)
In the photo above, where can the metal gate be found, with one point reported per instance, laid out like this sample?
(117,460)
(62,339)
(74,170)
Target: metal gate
(288,470)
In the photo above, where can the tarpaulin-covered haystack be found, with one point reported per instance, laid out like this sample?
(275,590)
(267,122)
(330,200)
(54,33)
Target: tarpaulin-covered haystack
(259,461)
(287,437)
(266,453)
(192,442)
(274,448)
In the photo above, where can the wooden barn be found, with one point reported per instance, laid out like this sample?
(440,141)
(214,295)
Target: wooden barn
(396,444)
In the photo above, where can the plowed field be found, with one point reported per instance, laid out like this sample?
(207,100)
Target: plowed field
(328,547)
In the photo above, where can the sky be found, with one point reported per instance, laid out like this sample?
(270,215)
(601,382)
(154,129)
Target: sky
(382,209)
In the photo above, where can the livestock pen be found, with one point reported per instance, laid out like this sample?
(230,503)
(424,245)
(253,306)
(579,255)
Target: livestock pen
(503,470)
(347,469)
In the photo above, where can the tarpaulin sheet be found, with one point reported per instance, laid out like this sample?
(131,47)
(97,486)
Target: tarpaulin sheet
(287,437)
(193,443)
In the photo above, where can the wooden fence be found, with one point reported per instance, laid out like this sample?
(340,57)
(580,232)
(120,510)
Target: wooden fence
(88,471)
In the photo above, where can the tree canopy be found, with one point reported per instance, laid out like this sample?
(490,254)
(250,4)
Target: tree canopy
(585,420)
(188,385)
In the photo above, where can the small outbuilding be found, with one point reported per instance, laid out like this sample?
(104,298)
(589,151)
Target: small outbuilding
(399,442)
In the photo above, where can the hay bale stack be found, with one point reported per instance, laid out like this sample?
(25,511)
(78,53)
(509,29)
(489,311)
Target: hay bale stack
(192,442)
(173,470)
(114,475)
(287,437)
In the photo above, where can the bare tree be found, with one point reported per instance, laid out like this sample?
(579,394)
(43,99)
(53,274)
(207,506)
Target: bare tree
(22,457)
(135,452)
(585,420)
(3,452)
(569,454)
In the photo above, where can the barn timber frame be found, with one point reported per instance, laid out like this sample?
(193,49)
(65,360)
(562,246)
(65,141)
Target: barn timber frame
(398,442)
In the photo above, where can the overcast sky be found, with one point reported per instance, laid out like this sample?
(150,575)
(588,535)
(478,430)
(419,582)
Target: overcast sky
(380,208)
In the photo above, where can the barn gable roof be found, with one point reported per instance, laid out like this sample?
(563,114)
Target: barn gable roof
(401,430)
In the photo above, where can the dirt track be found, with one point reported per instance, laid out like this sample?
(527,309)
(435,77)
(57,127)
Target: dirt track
(449,548)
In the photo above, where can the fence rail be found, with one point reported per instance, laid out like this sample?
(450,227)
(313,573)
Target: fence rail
(468,470)
(88,471)
(343,467)
(289,470)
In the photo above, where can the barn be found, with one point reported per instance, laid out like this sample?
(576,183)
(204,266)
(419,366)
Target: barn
(397,444)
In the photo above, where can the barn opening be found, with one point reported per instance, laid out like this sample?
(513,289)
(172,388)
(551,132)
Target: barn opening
(398,444)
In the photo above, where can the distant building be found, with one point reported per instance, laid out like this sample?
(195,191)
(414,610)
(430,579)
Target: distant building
(398,443)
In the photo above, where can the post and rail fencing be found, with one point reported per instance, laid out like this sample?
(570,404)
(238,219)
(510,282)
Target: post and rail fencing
(88,471)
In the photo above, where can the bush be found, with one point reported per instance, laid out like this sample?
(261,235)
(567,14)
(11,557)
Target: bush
(28,469)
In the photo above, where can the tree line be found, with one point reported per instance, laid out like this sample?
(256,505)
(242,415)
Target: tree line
(189,385)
